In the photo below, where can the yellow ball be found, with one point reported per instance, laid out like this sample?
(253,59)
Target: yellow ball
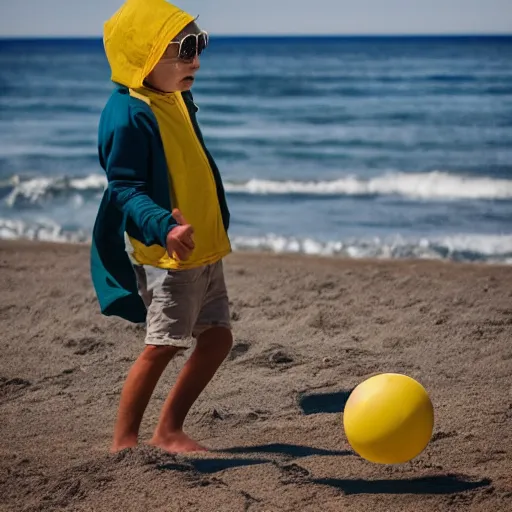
(388,419)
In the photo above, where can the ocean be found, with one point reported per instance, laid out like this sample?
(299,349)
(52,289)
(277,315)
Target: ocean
(389,147)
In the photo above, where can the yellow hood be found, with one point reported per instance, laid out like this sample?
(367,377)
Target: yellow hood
(136,37)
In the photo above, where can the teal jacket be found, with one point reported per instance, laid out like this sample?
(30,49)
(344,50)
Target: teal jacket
(137,199)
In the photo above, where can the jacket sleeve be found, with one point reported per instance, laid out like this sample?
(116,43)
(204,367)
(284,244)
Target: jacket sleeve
(127,166)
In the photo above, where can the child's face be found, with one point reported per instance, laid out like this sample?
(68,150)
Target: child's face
(176,70)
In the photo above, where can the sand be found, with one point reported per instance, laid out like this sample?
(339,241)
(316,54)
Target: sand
(307,331)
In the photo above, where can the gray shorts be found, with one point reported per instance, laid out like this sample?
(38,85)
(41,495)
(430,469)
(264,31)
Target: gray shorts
(182,304)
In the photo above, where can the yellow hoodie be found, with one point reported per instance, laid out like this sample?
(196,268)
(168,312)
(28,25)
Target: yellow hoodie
(137,36)
(135,39)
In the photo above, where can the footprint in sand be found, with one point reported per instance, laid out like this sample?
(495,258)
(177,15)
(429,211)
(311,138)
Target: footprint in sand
(83,346)
(238,350)
(10,388)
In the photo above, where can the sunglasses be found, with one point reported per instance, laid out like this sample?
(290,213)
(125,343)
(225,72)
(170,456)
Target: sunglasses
(192,45)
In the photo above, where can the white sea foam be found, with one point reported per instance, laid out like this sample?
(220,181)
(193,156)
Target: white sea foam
(37,190)
(42,230)
(432,185)
(475,247)
(462,247)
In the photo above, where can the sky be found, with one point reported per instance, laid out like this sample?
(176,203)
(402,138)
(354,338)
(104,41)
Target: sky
(254,17)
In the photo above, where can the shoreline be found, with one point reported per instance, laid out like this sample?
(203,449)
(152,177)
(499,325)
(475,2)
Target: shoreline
(47,245)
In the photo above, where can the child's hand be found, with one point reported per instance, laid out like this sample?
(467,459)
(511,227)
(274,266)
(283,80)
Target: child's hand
(180,241)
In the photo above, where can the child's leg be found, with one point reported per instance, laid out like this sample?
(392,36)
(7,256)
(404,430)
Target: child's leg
(138,388)
(212,347)
(170,315)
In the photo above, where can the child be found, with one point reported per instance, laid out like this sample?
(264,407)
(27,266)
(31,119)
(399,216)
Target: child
(161,230)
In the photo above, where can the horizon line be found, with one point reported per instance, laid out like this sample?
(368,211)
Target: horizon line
(280,36)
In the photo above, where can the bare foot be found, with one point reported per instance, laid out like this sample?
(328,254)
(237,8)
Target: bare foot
(176,442)
(122,445)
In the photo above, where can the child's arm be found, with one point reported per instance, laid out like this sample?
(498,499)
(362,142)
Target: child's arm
(126,164)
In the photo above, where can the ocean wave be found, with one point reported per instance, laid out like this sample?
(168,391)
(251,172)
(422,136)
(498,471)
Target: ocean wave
(432,185)
(43,230)
(22,193)
(467,248)
(462,248)
(19,193)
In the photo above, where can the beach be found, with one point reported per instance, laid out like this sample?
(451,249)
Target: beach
(307,331)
